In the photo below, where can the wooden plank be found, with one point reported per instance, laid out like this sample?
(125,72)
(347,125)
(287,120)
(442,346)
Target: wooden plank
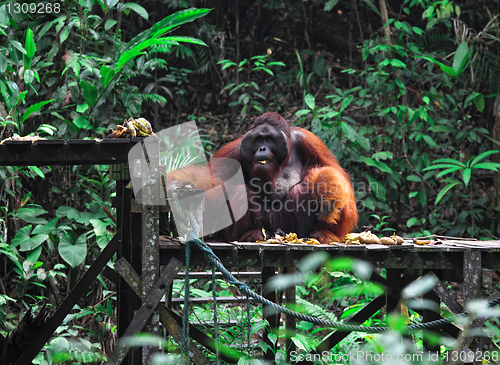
(80,288)
(72,152)
(147,309)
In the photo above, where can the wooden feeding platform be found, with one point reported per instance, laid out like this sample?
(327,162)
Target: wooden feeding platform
(142,252)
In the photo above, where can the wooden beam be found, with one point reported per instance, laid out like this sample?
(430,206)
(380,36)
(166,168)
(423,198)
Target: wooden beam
(144,313)
(227,354)
(80,288)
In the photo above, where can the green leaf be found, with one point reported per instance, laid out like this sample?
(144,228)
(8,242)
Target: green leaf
(37,171)
(73,252)
(82,123)
(479,102)
(349,131)
(62,211)
(89,92)
(397,63)
(34,108)
(448,171)
(31,215)
(449,160)
(63,35)
(167,24)
(138,9)
(46,228)
(345,103)
(430,141)
(81,108)
(383,155)
(3,63)
(466,175)
(461,58)
(378,164)
(418,30)
(445,190)
(446,69)
(330,4)
(487,166)
(310,101)
(73,214)
(414,178)
(18,46)
(34,254)
(107,74)
(483,155)
(30,47)
(25,241)
(109,24)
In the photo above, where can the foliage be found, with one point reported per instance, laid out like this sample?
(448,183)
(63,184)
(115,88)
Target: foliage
(95,79)
(249,90)
(411,118)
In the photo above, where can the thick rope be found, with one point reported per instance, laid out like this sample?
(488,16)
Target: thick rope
(210,256)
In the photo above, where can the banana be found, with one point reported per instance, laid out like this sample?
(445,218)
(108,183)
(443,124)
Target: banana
(120,131)
(140,127)
(147,124)
(112,133)
(130,127)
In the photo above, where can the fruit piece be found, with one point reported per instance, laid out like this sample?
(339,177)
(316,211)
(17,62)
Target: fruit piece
(387,241)
(147,124)
(399,240)
(421,242)
(368,238)
(130,128)
(140,127)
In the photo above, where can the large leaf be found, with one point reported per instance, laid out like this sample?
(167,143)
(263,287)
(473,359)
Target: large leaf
(107,74)
(481,156)
(138,9)
(46,228)
(30,47)
(34,108)
(89,92)
(167,24)
(466,175)
(461,58)
(445,190)
(73,251)
(31,215)
(25,241)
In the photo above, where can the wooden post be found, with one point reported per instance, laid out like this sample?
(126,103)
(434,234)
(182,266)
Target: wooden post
(291,324)
(472,291)
(269,313)
(150,232)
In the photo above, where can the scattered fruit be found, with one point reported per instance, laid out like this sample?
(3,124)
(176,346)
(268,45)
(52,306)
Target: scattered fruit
(139,127)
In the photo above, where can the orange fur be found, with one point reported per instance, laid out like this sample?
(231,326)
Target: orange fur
(326,182)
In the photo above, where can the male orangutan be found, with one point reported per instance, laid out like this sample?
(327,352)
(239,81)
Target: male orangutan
(293,184)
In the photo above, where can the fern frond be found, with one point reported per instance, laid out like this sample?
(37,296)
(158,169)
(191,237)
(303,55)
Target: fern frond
(316,310)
